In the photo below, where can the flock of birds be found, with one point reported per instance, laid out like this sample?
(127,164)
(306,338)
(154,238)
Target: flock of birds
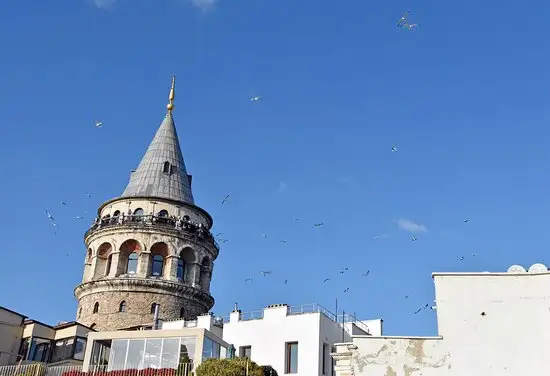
(402,23)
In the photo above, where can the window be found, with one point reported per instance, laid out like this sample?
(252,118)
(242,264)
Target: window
(210,349)
(79,312)
(63,350)
(182,313)
(116,213)
(40,350)
(92,326)
(158,264)
(79,348)
(96,307)
(166,168)
(108,268)
(131,267)
(122,306)
(163,213)
(154,307)
(245,351)
(138,213)
(181,269)
(291,357)
(326,356)
(24,348)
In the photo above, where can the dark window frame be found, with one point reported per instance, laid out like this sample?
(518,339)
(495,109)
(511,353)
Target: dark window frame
(157,259)
(288,357)
(96,308)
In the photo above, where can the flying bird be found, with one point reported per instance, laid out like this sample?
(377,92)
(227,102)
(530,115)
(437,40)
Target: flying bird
(98,124)
(414,238)
(248,280)
(264,236)
(466,220)
(64,203)
(286,281)
(366,274)
(50,216)
(347,289)
(403,19)
(264,273)
(296,219)
(79,217)
(318,224)
(89,195)
(225,199)
(394,149)
(283,241)
(255,99)
(411,26)
(326,280)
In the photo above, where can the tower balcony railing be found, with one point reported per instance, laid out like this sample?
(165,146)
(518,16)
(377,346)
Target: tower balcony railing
(190,230)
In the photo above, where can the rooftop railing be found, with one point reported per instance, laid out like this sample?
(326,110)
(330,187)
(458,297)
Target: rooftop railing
(192,231)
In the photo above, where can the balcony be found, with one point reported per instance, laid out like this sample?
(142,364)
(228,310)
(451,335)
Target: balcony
(182,227)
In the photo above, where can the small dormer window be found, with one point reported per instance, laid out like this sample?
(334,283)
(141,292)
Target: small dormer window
(167,168)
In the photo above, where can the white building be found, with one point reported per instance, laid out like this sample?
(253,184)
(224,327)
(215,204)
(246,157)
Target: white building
(293,340)
(489,324)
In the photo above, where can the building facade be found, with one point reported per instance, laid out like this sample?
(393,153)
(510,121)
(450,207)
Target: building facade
(489,324)
(293,340)
(151,248)
(29,341)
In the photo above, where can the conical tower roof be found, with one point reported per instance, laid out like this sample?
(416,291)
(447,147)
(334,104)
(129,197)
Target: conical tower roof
(161,172)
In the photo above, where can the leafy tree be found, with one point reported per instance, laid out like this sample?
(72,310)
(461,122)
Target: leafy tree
(269,371)
(233,367)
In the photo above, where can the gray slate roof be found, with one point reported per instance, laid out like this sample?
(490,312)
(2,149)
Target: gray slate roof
(149,180)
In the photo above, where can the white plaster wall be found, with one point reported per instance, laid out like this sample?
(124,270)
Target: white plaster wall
(394,356)
(11,332)
(491,324)
(267,338)
(513,336)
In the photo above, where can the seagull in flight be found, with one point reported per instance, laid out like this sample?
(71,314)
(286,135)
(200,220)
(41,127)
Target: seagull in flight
(414,238)
(326,280)
(403,20)
(64,203)
(50,216)
(79,217)
(255,99)
(225,199)
(248,280)
(466,220)
(98,124)
(411,26)
(394,149)
(366,274)
(283,241)
(346,290)
(264,273)
(89,195)
(318,224)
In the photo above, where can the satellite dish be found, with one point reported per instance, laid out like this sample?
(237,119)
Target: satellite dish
(538,268)
(516,269)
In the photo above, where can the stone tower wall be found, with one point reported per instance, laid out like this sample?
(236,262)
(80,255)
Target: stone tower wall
(106,277)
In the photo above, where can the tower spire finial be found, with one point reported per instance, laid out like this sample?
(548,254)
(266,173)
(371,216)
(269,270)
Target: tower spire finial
(170,105)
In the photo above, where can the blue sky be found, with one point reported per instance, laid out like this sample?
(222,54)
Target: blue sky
(463,98)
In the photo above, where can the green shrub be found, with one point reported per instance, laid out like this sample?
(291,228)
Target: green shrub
(233,367)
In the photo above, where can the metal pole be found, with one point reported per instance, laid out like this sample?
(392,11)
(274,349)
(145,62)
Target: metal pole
(336,310)
(343,324)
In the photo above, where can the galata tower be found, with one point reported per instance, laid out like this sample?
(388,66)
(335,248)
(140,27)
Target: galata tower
(150,249)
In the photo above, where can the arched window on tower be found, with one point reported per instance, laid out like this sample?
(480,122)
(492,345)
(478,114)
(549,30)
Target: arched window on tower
(131,267)
(122,306)
(138,214)
(158,265)
(181,269)
(92,326)
(166,168)
(205,274)
(154,307)
(182,313)
(79,312)
(96,307)
(109,264)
